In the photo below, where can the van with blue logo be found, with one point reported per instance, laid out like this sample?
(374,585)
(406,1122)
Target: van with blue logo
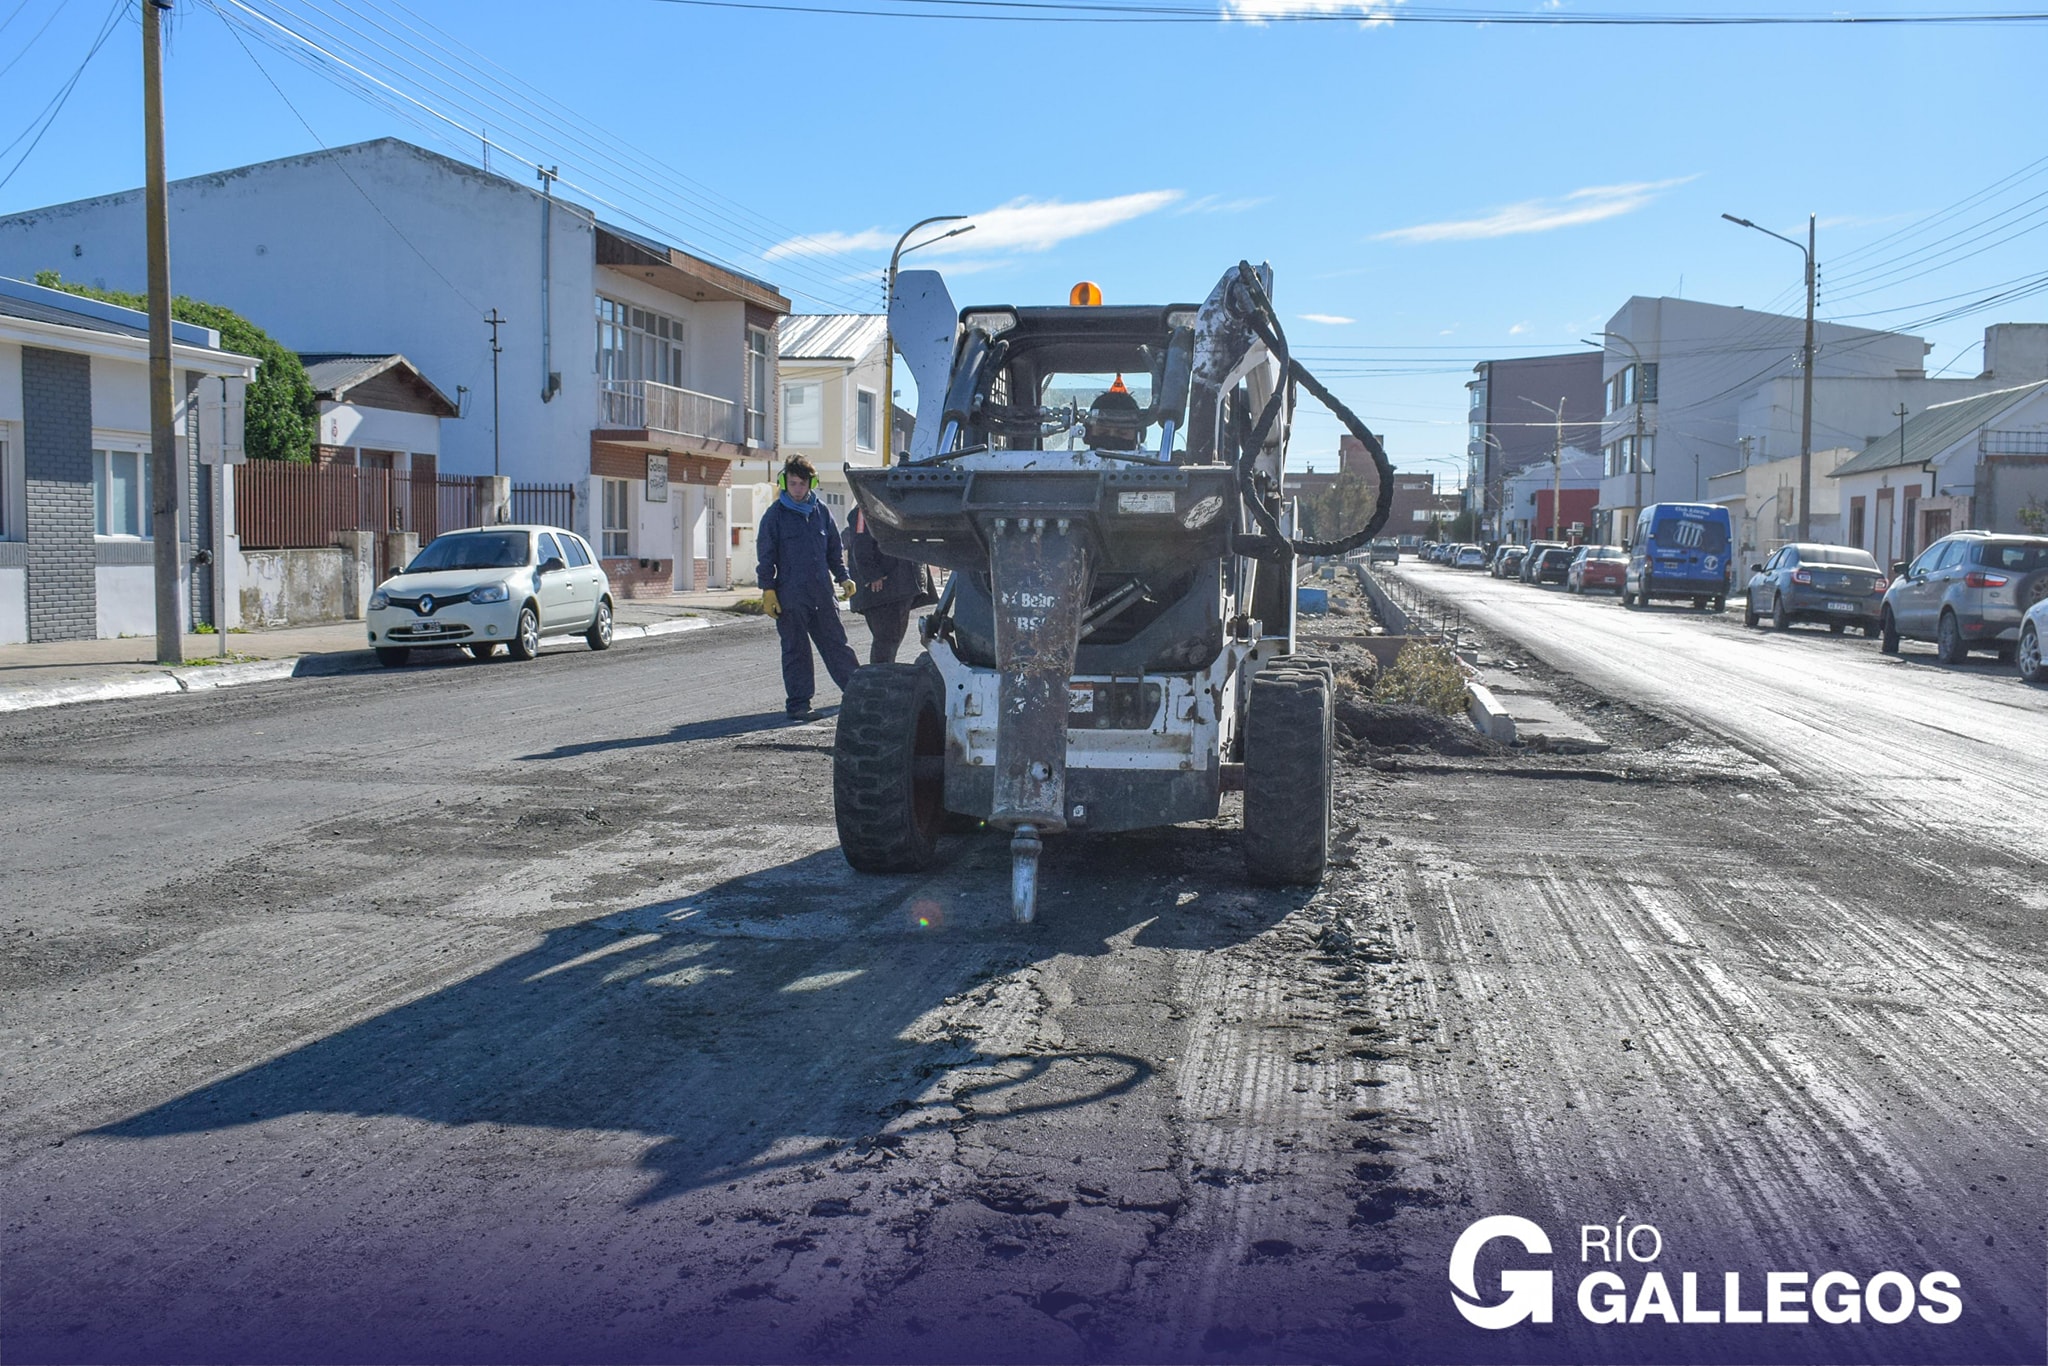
(1681,550)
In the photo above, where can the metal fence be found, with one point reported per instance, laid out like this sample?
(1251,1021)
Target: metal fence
(644,405)
(281,506)
(545,504)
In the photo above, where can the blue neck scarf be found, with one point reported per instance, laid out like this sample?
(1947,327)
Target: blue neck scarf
(806,507)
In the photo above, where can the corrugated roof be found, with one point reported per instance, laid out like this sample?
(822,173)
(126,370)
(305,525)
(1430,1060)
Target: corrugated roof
(830,336)
(1934,429)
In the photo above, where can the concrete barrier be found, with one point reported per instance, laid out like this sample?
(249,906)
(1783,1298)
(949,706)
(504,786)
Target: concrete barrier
(1489,717)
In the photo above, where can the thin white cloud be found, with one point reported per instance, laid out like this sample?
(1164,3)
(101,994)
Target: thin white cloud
(1593,204)
(1214,203)
(831,244)
(1371,13)
(1518,329)
(1020,225)
(1329,319)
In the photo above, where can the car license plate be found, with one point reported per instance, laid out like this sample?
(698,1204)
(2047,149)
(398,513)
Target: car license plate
(1841,607)
(426,628)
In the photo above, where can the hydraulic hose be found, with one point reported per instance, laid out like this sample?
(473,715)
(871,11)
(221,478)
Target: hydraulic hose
(1265,321)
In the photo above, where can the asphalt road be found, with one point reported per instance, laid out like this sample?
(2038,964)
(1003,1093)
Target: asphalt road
(528,1013)
(1963,747)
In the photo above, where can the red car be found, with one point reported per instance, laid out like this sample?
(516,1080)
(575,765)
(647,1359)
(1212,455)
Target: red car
(1596,567)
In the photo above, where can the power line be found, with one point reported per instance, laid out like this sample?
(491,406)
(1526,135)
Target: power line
(425,260)
(63,95)
(1081,12)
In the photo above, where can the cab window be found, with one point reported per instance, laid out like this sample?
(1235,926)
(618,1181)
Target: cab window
(548,550)
(573,551)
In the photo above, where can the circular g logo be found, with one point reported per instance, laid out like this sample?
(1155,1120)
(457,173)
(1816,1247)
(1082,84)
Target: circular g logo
(1528,1292)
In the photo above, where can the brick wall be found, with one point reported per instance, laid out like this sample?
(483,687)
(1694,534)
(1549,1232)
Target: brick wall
(56,429)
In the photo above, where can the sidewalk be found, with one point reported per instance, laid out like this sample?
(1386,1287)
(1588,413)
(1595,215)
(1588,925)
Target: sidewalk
(60,672)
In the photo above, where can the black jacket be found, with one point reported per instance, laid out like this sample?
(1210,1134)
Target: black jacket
(798,555)
(900,578)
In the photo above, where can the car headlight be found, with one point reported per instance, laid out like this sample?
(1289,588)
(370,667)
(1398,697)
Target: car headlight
(494,592)
(379,600)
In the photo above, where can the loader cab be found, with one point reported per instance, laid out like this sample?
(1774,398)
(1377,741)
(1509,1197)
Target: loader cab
(1107,380)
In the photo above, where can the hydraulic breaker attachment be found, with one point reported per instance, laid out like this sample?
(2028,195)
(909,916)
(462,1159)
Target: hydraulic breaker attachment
(1040,574)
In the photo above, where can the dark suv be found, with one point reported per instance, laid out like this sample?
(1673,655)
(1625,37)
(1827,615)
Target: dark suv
(1966,592)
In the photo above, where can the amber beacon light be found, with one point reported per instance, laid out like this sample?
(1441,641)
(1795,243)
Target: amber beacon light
(1087,294)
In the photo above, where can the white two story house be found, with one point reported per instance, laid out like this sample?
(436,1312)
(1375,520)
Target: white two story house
(634,373)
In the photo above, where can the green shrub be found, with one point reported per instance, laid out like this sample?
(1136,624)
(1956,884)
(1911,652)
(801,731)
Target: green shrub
(1424,675)
(279,415)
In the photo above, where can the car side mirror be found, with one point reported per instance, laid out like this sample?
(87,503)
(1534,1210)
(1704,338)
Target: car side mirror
(1898,568)
(553,564)
(1756,569)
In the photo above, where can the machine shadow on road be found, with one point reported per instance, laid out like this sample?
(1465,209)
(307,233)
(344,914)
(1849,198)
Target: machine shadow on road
(768,1020)
(719,728)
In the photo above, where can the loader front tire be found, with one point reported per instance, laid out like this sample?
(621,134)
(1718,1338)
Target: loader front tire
(889,768)
(1287,760)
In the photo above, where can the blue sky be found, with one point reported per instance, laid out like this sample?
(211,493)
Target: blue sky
(1429,196)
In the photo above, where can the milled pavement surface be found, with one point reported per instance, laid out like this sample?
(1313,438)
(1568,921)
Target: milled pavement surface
(529,1013)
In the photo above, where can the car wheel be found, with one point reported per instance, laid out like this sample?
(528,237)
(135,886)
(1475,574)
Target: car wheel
(1781,620)
(599,636)
(1718,605)
(2028,659)
(393,657)
(2007,653)
(1749,617)
(1836,628)
(1887,633)
(1949,646)
(525,642)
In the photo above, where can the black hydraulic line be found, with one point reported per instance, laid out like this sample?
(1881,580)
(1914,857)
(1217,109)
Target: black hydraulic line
(1265,320)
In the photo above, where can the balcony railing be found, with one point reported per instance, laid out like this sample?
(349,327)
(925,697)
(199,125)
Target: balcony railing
(643,405)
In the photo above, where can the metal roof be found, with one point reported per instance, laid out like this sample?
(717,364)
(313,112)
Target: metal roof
(830,336)
(39,303)
(1934,429)
(334,375)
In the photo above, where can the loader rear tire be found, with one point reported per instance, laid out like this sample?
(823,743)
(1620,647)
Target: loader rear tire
(889,768)
(1287,760)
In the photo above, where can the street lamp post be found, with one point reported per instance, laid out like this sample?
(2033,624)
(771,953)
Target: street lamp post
(1806,363)
(889,305)
(1556,462)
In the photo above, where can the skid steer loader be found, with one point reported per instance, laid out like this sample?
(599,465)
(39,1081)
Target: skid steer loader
(1115,647)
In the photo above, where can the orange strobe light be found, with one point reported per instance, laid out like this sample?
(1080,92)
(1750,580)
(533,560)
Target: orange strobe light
(1087,294)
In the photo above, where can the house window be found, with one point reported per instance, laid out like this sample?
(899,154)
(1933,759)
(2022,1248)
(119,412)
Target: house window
(803,414)
(758,373)
(120,493)
(638,344)
(618,510)
(864,419)
(1856,522)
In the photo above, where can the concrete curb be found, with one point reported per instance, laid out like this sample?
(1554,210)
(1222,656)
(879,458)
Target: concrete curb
(1489,717)
(211,677)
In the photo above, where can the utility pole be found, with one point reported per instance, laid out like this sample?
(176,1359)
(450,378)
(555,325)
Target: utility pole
(496,322)
(1557,471)
(1806,401)
(164,490)
(889,307)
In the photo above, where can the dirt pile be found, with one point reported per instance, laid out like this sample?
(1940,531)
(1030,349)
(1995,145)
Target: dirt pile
(1404,728)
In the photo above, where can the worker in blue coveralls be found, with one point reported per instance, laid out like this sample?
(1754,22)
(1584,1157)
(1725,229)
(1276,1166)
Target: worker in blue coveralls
(800,563)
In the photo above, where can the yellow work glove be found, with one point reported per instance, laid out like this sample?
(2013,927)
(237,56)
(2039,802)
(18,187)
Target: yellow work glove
(846,588)
(771,604)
